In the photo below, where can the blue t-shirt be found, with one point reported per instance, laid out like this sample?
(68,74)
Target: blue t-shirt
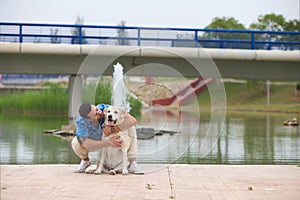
(86,129)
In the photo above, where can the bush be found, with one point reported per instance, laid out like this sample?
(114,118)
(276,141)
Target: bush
(136,106)
(96,94)
(55,99)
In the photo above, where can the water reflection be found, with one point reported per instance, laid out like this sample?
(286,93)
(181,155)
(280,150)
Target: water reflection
(23,141)
(252,139)
(242,139)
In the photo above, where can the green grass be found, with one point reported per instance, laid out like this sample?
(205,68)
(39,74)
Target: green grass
(103,94)
(97,93)
(239,97)
(54,101)
(49,101)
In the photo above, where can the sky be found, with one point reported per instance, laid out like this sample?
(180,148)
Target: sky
(154,13)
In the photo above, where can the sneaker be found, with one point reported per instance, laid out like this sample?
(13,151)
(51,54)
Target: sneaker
(134,168)
(82,166)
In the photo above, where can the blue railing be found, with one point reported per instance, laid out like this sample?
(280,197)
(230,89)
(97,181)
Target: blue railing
(148,36)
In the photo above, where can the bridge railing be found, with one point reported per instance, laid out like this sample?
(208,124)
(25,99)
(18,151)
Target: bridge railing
(148,36)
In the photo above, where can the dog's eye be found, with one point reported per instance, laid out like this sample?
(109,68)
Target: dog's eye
(116,112)
(108,111)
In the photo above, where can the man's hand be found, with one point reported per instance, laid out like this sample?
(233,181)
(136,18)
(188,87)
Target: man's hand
(116,141)
(95,145)
(107,130)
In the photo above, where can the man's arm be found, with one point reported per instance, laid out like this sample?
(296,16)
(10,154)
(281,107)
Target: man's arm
(92,144)
(129,121)
(95,145)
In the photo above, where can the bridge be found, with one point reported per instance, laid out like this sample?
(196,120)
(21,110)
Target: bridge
(145,51)
(66,59)
(61,49)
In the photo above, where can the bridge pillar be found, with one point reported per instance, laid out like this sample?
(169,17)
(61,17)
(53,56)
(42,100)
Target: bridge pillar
(75,96)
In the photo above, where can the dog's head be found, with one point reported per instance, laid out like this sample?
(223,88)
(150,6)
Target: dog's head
(114,115)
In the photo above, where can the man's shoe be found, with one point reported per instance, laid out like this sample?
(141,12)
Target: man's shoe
(135,169)
(82,166)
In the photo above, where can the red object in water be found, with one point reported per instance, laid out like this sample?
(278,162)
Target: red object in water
(185,94)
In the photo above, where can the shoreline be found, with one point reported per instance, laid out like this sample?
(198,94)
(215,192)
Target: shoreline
(253,110)
(264,111)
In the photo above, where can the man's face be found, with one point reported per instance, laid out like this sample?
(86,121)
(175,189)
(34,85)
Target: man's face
(95,114)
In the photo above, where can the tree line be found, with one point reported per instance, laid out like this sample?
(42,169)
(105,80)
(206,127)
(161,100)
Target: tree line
(268,22)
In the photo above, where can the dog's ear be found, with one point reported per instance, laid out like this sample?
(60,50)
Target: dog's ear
(123,113)
(105,111)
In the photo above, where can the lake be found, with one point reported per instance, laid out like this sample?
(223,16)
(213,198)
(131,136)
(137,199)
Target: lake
(239,138)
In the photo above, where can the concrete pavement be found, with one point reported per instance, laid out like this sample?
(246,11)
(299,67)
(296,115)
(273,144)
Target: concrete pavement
(182,182)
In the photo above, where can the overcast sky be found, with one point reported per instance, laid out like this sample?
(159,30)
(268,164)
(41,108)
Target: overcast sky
(168,13)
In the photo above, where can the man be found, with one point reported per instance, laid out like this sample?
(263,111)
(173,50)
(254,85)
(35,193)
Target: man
(89,136)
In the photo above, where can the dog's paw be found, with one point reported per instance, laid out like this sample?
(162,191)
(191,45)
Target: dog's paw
(125,172)
(112,172)
(98,172)
(90,170)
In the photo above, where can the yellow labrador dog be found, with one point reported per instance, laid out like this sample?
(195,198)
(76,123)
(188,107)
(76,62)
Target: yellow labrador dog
(115,160)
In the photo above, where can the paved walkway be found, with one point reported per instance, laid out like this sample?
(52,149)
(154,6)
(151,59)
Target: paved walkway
(160,182)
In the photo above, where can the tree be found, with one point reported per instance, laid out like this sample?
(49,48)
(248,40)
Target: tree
(55,39)
(122,34)
(273,22)
(292,25)
(77,30)
(227,23)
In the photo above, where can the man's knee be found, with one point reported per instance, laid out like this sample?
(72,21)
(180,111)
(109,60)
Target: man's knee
(78,150)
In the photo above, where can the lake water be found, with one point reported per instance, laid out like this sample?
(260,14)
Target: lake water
(243,138)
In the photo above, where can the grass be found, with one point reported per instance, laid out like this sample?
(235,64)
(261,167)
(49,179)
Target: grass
(54,101)
(49,101)
(240,98)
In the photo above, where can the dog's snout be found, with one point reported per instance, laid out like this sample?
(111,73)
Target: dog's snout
(109,116)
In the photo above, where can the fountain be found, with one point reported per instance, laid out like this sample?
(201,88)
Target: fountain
(119,99)
(119,90)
